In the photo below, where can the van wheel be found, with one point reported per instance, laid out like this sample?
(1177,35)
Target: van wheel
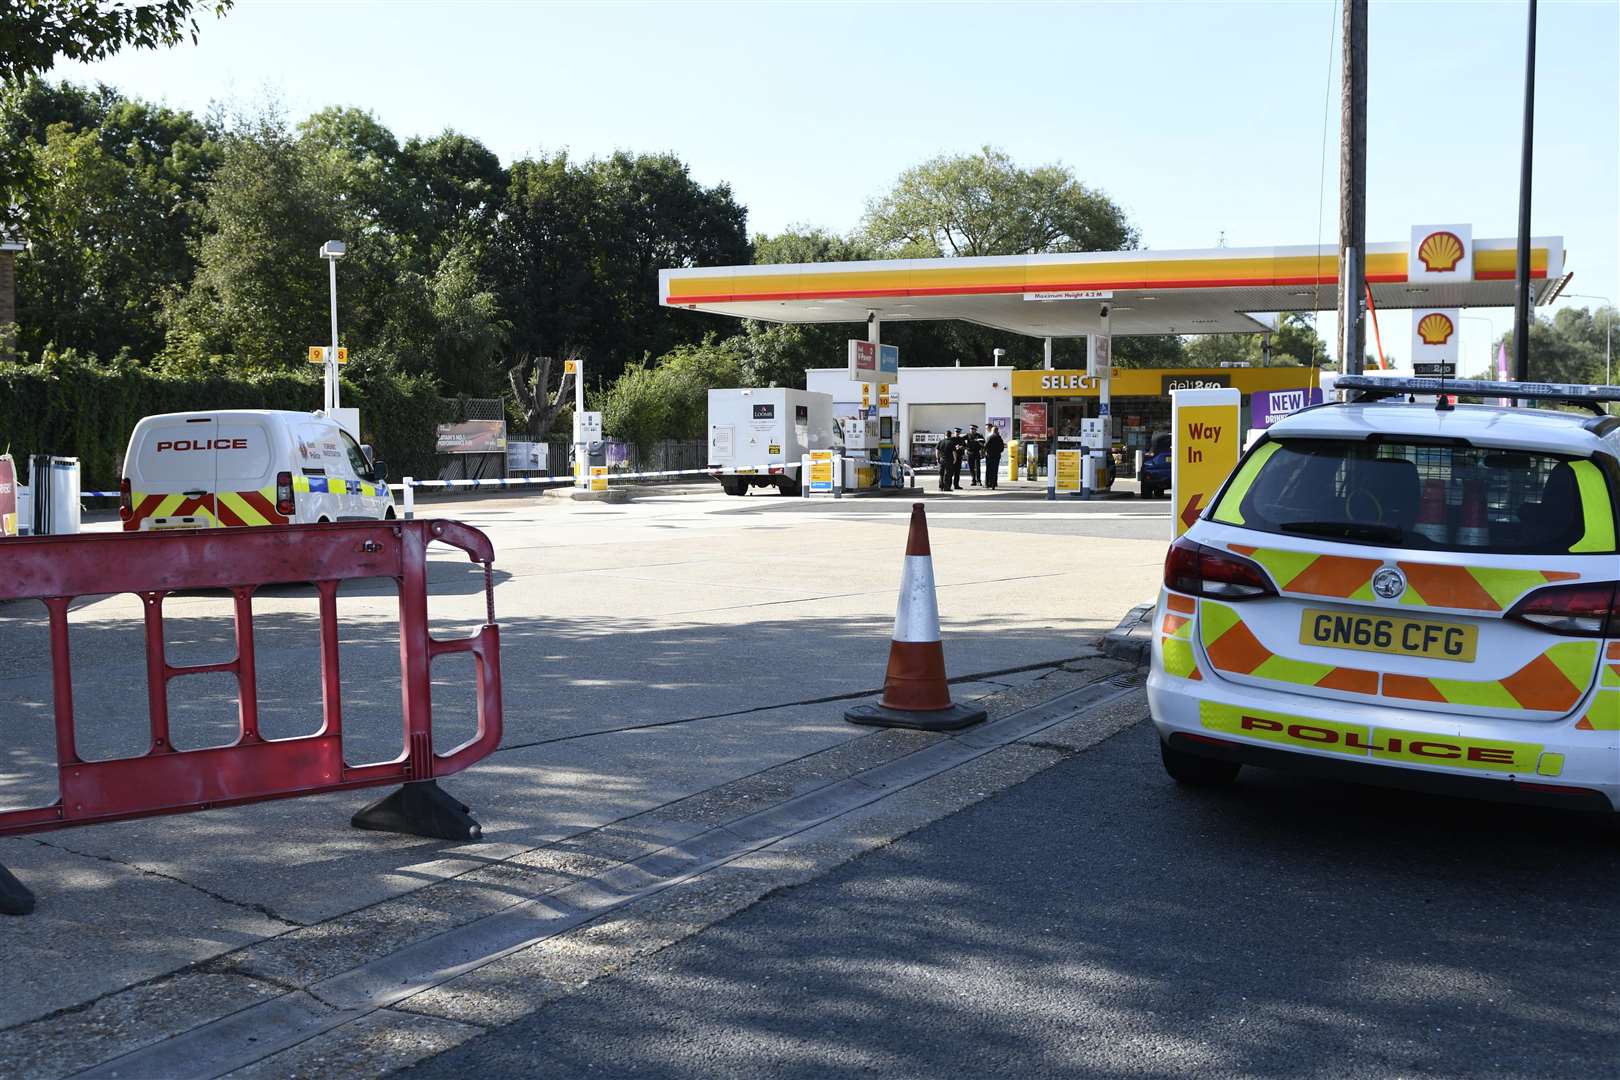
(733,485)
(389,514)
(1196,771)
(323,521)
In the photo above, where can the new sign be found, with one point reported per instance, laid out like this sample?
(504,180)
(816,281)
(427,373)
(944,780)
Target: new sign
(1270,406)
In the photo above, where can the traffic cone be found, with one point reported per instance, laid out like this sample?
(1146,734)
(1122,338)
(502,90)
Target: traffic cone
(1475,531)
(1431,520)
(915,692)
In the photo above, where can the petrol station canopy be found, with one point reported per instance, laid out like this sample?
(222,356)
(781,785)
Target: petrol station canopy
(1215,291)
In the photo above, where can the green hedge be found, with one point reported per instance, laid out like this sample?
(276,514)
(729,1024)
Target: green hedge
(74,406)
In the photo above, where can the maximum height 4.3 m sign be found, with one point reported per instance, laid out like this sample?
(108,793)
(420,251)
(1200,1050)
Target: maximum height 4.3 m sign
(1204,447)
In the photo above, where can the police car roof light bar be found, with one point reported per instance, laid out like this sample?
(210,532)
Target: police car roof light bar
(1373,388)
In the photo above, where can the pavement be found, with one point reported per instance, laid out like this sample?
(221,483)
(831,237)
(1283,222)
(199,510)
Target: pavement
(671,665)
(1097,920)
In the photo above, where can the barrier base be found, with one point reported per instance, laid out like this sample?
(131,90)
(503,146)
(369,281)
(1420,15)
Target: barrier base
(952,719)
(15,899)
(420,809)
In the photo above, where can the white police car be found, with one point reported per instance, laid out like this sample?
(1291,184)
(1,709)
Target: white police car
(1406,592)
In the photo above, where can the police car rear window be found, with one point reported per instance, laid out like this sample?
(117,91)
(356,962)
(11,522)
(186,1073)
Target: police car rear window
(1416,495)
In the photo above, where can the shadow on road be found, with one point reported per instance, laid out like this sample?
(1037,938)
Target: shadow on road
(1100,921)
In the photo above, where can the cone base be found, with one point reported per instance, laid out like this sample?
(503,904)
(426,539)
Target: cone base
(953,718)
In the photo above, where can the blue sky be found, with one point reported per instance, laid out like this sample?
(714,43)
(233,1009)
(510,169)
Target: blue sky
(1203,120)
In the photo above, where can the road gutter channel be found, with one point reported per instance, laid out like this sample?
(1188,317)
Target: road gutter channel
(270,1027)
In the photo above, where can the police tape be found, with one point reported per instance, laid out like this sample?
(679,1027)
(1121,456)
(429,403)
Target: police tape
(536,481)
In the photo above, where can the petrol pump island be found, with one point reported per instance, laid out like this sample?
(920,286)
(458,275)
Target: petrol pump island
(846,432)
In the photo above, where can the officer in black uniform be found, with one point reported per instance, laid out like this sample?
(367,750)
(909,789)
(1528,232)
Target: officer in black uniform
(975,453)
(946,451)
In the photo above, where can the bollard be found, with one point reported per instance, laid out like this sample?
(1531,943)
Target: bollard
(1088,474)
(838,476)
(409,509)
(804,476)
(1051,477)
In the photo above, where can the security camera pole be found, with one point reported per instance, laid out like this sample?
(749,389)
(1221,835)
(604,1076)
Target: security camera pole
(332,251)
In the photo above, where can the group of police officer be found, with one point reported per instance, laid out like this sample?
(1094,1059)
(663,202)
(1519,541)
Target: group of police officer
(973,448)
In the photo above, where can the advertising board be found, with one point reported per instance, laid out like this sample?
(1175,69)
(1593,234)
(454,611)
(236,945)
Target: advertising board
(473,437)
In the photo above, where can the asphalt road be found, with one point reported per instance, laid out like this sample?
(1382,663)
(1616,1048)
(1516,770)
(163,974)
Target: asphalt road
(1097,920)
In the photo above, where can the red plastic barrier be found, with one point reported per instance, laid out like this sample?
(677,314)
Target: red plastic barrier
(166,780)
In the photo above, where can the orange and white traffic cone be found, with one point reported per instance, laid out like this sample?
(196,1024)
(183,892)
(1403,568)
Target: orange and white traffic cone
(915,691)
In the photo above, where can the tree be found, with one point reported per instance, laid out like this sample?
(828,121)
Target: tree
(530,379)
(110,204)
(985,204)
(1569,346)
(259,292)
(1294,343)
(670,399)
(809,244)
(1213,350)
(36,32)
(33,33)
(578,247)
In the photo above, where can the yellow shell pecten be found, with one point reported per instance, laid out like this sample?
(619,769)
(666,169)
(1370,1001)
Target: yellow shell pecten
(1440,252)
(1435,329)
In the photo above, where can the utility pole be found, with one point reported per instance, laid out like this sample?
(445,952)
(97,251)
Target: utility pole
(1521,272)
(1352,184)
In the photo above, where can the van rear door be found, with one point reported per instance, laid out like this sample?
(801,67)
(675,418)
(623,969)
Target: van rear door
(173,479)
(244,473)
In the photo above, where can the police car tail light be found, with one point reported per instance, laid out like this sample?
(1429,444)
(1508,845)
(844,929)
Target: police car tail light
(1588,609)
(126,500)
(1201,571)
(284,494)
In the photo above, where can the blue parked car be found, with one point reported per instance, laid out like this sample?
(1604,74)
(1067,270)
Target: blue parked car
(1155,479)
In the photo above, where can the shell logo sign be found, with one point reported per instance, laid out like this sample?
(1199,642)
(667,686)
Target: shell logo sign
(1440,253)
(1435,328)
(1435,341)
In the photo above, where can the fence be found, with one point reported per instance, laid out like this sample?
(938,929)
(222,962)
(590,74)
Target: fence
(168,780)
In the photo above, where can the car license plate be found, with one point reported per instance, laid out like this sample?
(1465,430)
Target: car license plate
(746,472)
(1389,634)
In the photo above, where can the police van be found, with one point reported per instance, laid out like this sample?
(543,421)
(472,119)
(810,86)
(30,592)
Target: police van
(1418,593)
(203,470)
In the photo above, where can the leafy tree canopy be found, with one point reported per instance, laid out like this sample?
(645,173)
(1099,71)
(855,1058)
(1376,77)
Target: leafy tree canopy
(35,32)
(986,204)
(1568,347)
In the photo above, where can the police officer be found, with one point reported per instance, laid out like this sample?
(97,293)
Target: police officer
(959,457)
(975,453)
(994,447)
(946,451)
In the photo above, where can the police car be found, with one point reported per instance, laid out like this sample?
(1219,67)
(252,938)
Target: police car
(1406,591)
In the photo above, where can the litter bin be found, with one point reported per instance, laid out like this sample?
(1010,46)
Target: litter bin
(54,489)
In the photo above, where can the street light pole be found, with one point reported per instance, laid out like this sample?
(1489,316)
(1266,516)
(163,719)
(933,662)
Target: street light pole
(1521,274)
(332,251)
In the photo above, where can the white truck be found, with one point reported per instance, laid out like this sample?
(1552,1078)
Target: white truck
(758,436)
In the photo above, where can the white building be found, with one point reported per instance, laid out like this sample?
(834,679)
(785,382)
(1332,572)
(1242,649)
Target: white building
(927,401)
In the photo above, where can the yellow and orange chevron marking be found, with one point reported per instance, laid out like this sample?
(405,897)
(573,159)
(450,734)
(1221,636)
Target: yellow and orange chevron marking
(1604,714)
(1176,643)
(1233,648)
(1343,577)
(1555,681)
